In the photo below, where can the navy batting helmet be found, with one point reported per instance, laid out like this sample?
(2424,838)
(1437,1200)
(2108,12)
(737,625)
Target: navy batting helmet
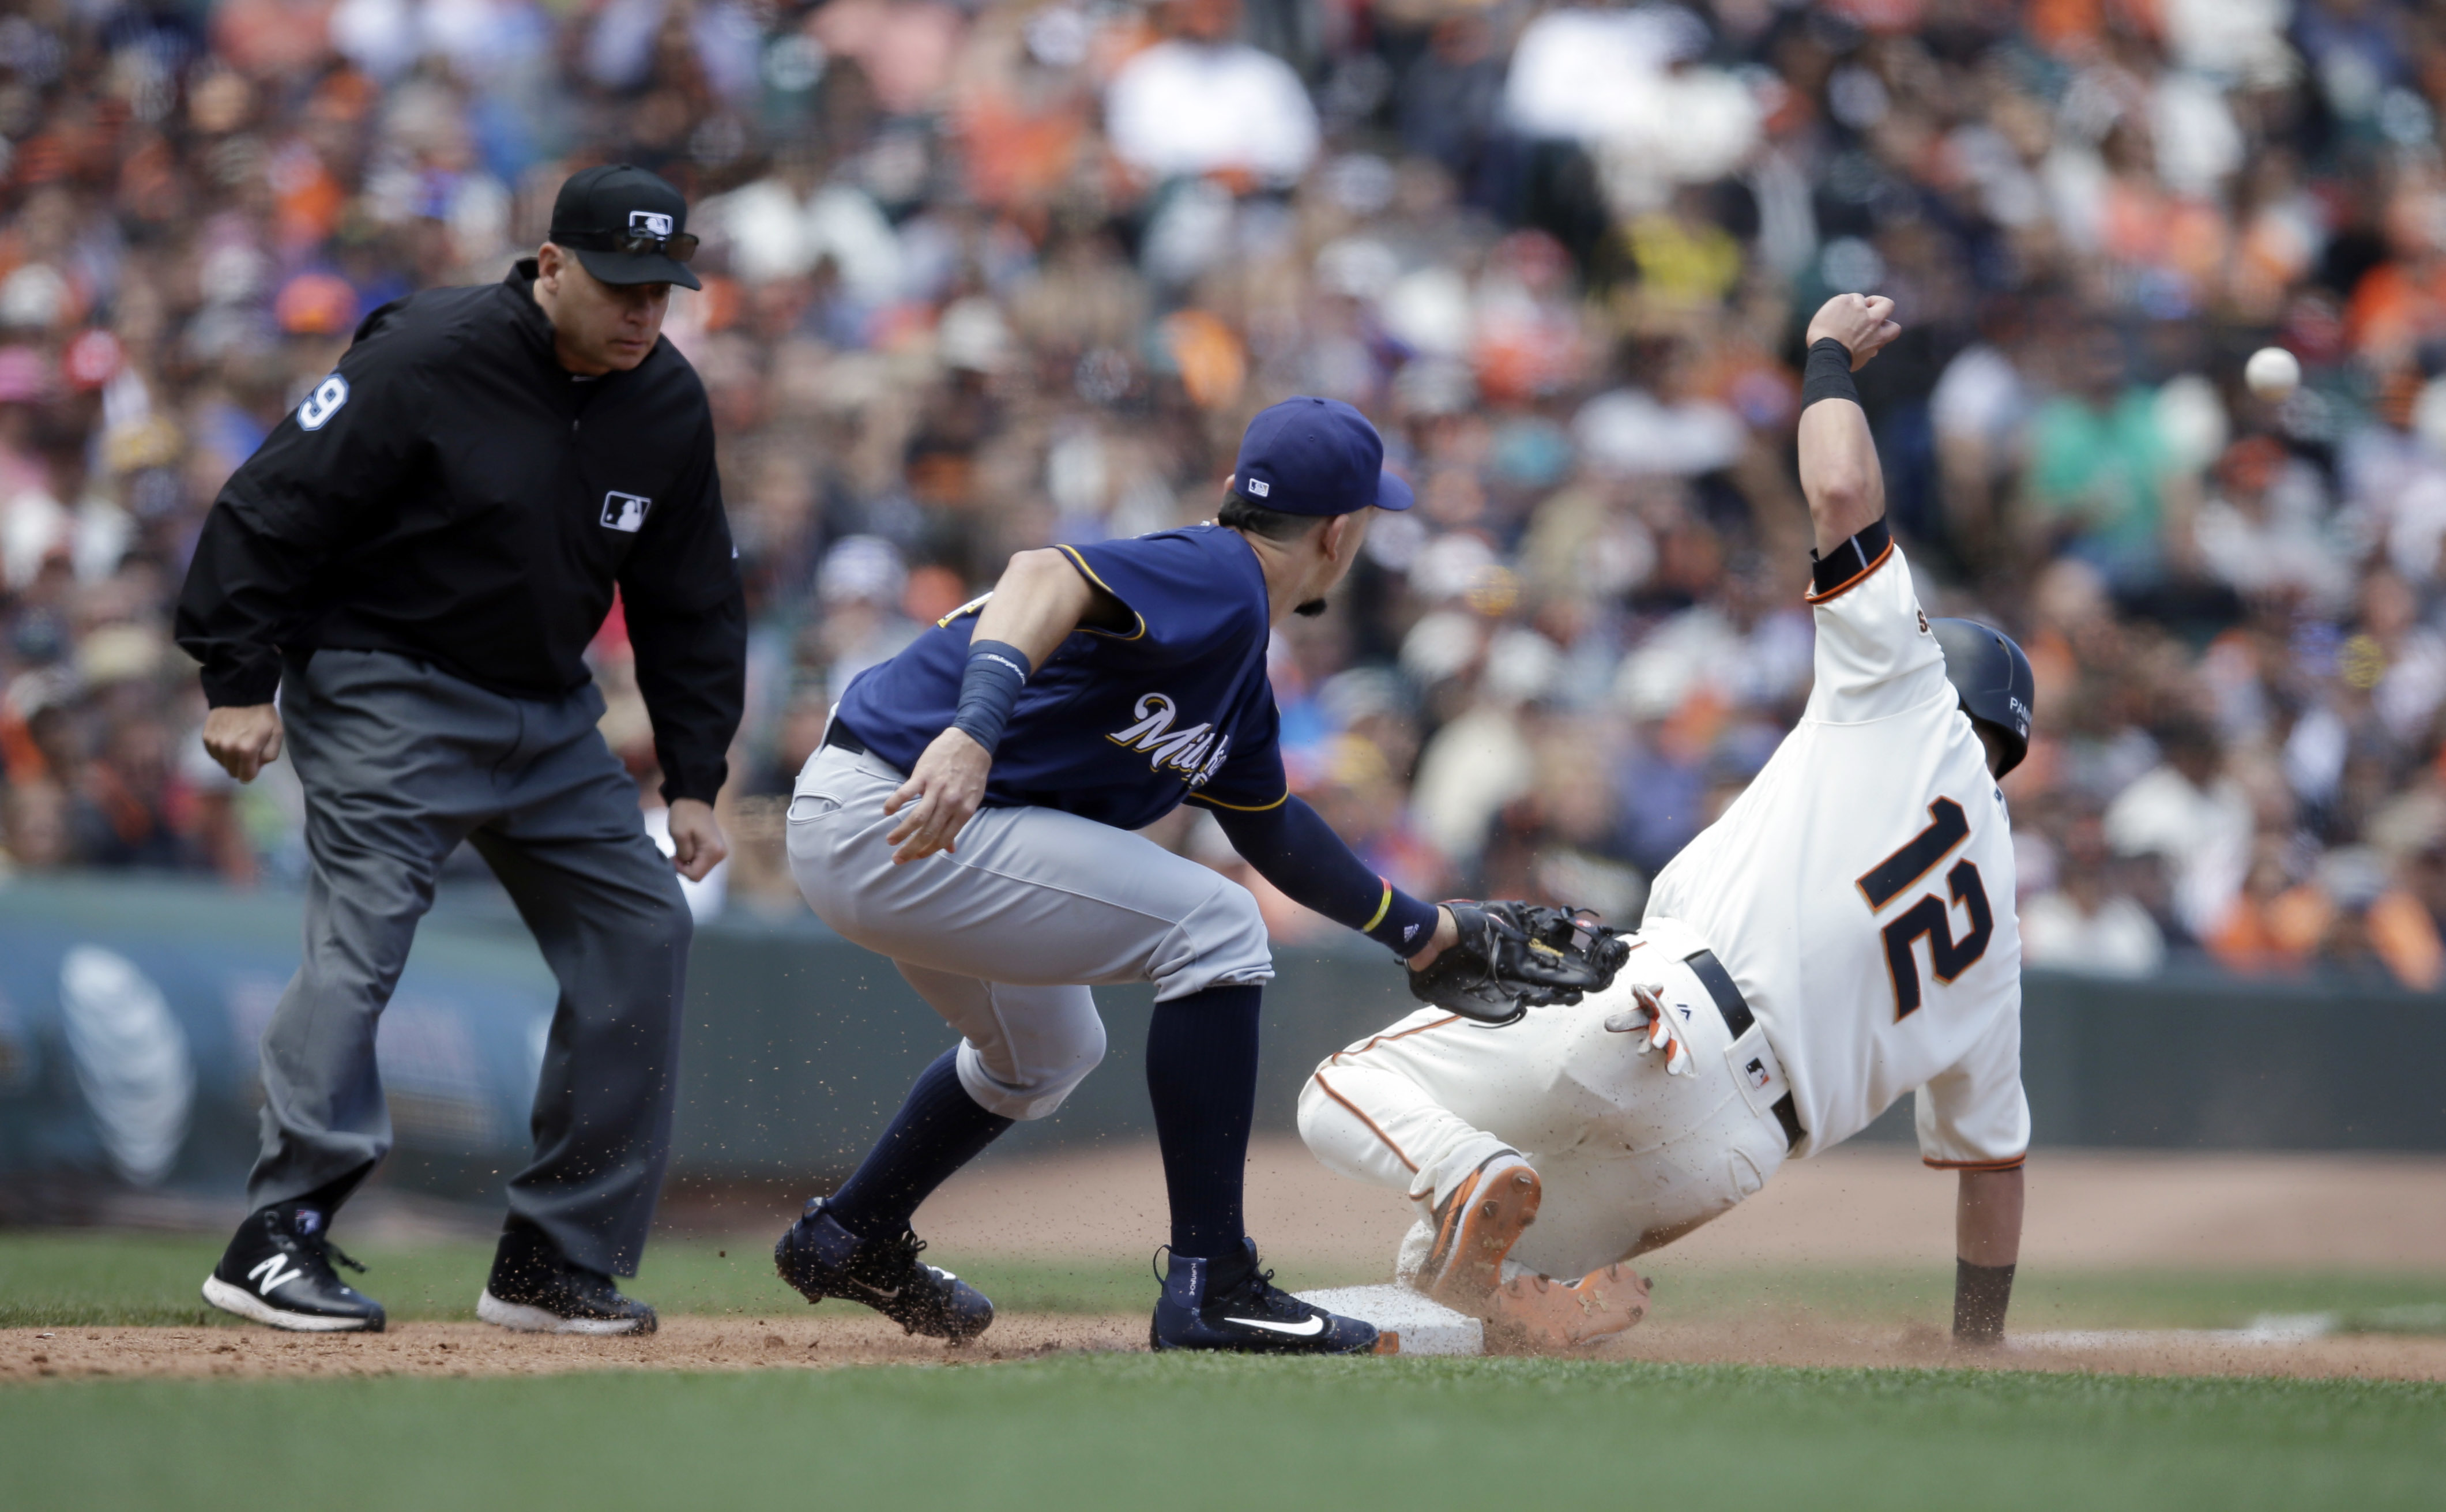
(1994,680)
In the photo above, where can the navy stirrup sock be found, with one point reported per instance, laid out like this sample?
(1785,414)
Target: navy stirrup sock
(1202,1078)
(937,1130)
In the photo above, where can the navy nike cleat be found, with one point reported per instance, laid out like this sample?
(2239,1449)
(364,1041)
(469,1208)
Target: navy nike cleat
(819,1259)
(1229,1304)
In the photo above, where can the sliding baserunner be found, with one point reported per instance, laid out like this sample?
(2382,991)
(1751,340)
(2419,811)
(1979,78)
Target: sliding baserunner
(1842,936)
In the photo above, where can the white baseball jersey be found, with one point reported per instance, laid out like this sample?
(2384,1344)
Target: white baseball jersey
(1860,893)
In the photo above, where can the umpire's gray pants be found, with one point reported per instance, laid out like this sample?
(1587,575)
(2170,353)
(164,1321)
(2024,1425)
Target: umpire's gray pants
(401,762)
(1001,936)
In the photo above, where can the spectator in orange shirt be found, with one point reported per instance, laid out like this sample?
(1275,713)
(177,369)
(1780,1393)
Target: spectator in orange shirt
(2350,916)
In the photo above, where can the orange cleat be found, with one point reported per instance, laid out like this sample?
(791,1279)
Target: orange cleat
(1537,1314)
(1476,1228)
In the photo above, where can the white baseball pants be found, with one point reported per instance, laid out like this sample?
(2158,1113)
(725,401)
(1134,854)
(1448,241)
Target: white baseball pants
(1001,936)
(1630,1158)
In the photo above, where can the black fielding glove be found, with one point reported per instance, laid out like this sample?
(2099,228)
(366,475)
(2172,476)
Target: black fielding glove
(1513,956)
(1981,1294)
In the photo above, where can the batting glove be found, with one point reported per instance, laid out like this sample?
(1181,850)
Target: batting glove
(1651,1020)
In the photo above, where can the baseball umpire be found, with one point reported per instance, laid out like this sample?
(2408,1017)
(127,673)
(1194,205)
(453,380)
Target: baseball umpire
(416,560)
(970,816)
(1842,936)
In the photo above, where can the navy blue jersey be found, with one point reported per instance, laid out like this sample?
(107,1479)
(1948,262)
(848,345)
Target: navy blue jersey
(1118,726)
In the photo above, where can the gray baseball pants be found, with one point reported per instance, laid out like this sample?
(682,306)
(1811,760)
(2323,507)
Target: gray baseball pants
(400,762)
(1001,936)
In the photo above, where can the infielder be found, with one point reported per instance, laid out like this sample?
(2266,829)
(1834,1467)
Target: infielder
(970,816)
(1842,936)
(416,561)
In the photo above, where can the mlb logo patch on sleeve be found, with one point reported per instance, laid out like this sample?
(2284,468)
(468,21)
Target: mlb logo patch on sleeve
(625,512)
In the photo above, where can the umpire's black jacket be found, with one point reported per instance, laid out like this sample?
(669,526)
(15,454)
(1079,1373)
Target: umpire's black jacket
(454,494)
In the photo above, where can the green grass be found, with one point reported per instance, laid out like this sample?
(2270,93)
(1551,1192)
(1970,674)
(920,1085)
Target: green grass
(1175,1435)
(83,1279)
(100,1279)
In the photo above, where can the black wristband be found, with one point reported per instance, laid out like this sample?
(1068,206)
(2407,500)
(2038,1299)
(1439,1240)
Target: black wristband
(1837,569)
(988,690)
(1827,374)
(1981,1294)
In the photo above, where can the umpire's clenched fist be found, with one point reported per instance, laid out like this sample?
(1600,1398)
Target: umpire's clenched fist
(243,739)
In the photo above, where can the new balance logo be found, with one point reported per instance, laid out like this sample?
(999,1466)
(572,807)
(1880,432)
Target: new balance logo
(269,1277)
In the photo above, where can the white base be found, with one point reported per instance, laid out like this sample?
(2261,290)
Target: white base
(246,1304)
(527,1319)
(1426,1327)
(2269,1329)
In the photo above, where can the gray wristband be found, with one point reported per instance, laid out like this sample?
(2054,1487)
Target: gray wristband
(988,690)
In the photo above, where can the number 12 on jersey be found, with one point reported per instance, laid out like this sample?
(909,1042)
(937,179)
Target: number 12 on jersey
(1949,827)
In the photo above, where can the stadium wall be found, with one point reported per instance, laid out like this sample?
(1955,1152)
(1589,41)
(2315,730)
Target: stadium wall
(129,1012)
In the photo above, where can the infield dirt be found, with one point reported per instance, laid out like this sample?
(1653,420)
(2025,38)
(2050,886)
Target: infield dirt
(827,1341)
(1862,1204)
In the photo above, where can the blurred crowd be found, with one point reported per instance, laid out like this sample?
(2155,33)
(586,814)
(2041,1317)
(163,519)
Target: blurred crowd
(985,274)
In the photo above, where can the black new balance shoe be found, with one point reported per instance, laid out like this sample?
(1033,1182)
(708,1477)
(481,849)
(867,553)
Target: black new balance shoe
(819,1259)
(278,1271)
(534,1290)
(1229,1304)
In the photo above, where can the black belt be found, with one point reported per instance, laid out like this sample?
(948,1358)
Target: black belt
(837,734)
(1737,1017)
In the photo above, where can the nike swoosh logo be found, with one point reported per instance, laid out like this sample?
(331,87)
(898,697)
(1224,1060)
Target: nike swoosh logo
(1308,1329)
(876,1290)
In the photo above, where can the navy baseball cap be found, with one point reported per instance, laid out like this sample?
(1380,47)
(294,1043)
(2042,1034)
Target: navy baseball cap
(625,225)
(1309,455)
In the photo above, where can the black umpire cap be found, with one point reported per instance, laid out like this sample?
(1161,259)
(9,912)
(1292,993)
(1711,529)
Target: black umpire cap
(1994,680)
(625,225)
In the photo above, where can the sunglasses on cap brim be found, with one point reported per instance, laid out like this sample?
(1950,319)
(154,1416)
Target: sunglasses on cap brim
(632,245)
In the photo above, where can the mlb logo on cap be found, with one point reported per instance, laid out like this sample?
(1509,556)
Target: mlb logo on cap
(1309,455)
(625,226)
